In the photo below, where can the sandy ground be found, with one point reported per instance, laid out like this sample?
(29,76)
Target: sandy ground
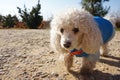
(26,55)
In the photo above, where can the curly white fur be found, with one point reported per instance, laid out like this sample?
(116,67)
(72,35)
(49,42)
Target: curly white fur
(88,37)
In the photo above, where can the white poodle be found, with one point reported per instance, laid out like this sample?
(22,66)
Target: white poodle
(77,32)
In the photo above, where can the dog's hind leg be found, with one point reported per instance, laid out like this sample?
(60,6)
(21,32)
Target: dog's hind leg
(68,61)
(104,49)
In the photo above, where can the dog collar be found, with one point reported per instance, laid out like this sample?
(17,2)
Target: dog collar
(78,53)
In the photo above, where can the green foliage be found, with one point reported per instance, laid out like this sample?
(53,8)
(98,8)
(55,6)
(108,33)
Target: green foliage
(33,18)
(9,21)
(95,7)
(1,17)
(117,29)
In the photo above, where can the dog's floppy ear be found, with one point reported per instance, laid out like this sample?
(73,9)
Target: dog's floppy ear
(55,42)
(91,38)
(55,38)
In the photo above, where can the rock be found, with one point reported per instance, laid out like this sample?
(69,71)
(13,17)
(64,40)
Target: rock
(54,74)
(7,55)
(43,75)
(51,52)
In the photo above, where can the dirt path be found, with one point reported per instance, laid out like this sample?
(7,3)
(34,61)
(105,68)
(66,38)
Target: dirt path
(26,55)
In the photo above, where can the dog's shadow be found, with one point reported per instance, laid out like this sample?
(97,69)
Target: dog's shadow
(99,75)
(115,61)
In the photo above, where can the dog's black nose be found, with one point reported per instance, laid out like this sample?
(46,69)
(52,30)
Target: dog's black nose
(67,44)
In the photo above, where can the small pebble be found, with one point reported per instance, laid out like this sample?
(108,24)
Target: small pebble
(51,52)
(54,74)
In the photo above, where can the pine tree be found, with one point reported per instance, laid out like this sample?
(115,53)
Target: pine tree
(9,21)
(33,18)
(1,17)
(95,7)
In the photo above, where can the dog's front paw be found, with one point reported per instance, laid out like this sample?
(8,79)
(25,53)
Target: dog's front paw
(68,61)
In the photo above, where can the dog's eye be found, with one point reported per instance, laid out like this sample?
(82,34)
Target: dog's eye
(61,30)
(75,30)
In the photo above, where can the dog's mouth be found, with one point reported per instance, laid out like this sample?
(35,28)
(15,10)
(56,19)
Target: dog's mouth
(67,47)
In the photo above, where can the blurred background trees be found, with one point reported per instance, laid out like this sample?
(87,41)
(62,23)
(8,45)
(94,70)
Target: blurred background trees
(30,19)
(33,18)
(117,18)
(95,7)
(8,21)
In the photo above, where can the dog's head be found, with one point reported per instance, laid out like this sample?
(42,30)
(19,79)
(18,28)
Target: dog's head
(71,36)
(75,29)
